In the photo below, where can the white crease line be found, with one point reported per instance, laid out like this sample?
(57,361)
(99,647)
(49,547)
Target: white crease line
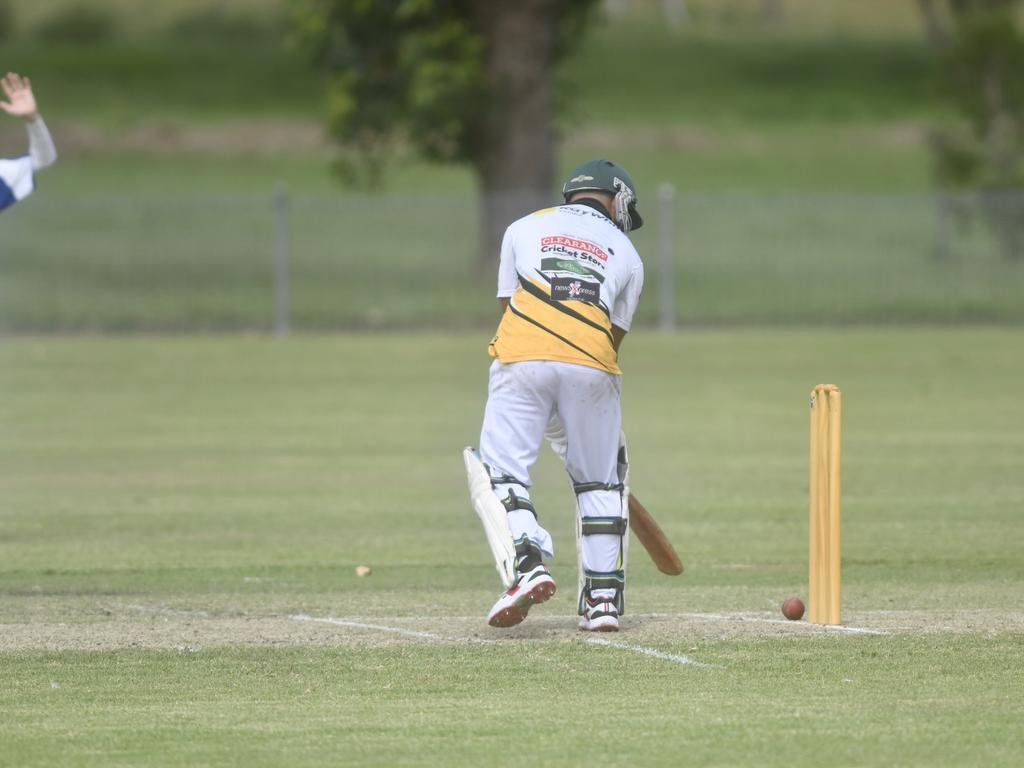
(379,628)
(431,636)
(762,620)
(675,658)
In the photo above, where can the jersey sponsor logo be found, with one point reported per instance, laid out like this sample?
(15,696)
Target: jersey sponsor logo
(569,265)
(578,209)
(578,255)
(574,244)
(573,289)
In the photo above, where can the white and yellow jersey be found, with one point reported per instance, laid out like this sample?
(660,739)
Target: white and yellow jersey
(570,274)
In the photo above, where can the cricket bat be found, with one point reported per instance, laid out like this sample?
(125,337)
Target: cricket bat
(654,540)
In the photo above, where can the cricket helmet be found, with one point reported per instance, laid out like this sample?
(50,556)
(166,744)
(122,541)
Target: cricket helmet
(606,176)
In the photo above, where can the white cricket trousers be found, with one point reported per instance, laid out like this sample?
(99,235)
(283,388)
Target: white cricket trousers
(522,398)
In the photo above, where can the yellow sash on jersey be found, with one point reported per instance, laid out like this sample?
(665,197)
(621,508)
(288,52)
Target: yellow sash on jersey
(535,327)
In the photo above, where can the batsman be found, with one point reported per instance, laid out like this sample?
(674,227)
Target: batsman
(569,280)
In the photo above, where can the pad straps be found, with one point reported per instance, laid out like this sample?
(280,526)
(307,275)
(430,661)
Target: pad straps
(608,580)
(513,502)
(528,555)
(596,525)
(604,580)
(588,487)
(503,479)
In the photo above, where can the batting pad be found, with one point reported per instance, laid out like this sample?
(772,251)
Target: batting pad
(492,515)
(623,470)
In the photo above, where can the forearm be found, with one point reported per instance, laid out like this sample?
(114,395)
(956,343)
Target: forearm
(40,144)
(617,336)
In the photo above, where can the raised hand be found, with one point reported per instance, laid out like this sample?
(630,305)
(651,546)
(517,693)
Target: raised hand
(20,101)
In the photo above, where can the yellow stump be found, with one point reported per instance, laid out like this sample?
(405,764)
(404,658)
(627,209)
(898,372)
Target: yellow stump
(824,559)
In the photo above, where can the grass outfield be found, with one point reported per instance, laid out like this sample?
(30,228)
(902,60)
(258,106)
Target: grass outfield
(178,517)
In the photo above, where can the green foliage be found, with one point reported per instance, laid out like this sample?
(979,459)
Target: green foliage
(410,70)
(78,24)
(6,20)
(984,76)
(400,69)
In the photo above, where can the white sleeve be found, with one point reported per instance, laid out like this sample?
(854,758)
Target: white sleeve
(628,298)
(40,144)
(508,279)
(15,180)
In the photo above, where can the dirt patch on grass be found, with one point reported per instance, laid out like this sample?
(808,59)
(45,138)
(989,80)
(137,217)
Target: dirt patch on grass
(683,137)
(268,136)
(171,137)
(984,621)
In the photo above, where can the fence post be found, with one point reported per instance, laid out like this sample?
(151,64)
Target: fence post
(282,242)
(666,258)
(943,205)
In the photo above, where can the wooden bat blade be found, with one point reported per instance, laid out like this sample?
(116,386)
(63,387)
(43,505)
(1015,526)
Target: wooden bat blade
(653,539)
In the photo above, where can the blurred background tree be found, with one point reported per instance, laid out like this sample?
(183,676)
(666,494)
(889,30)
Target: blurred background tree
(790,129)
(461,80)
(981,58)
(6,20)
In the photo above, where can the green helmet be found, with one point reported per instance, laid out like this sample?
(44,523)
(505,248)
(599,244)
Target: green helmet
(606,176)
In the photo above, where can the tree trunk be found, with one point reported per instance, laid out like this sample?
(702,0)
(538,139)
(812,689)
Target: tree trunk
(934,25)
(515,155)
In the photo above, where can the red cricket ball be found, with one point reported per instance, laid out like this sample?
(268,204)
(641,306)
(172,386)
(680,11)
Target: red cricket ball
(793,608)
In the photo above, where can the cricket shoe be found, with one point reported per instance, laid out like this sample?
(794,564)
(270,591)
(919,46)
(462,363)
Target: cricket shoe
(533,586)
(600,614)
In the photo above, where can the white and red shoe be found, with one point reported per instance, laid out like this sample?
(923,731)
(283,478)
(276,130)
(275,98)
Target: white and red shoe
(600,614)
(533,586)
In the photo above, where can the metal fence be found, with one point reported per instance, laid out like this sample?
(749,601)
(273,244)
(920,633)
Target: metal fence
(277,261)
